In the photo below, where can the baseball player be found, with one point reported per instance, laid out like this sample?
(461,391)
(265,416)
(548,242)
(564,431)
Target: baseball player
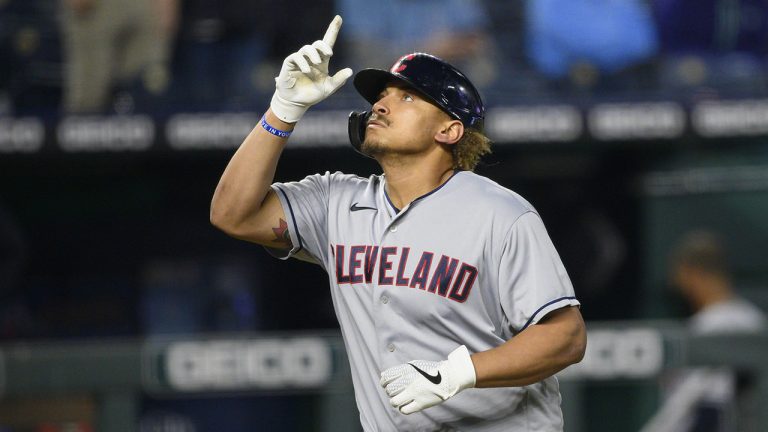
(454,306)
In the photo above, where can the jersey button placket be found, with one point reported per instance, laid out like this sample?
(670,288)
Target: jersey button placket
(382,323)
(395,222)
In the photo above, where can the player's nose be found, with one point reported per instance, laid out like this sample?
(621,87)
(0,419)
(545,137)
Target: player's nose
(381,107)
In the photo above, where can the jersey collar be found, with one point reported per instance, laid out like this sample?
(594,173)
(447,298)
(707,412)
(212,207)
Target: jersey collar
(397,210)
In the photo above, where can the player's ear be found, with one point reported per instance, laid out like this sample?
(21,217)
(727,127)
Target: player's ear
(450,132)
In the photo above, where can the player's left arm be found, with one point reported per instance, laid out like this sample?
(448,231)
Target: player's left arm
(539,351)
(531,273)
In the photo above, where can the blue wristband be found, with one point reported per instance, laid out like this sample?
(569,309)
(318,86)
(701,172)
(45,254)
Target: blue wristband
(272,130)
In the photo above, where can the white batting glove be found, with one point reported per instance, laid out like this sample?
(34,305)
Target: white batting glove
(304,79)
(420,384)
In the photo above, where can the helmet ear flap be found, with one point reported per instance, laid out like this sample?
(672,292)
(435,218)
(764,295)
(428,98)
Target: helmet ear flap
(358,121)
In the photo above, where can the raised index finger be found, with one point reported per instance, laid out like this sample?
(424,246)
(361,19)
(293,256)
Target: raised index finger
(333,31)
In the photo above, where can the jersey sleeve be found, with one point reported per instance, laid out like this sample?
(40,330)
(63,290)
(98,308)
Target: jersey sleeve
(305,204)
(532,279)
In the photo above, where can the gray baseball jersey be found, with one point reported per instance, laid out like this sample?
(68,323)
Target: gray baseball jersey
(468,263)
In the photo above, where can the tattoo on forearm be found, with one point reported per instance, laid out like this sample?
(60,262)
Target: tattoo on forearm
(281,233)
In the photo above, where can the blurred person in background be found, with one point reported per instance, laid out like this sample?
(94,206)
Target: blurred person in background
(115,43)
(30,55)
(581,43)
(702,400)
(6,58)
(701,273)
(220,51)
(713,43)
(454,30)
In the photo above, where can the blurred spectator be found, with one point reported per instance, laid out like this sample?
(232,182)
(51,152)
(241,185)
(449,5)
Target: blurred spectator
(583,40)
(378,33)
(30,55)
(111,43)
(703,398)
(221,47)
(712,25)
(700,271)
(5,59)
(713,42)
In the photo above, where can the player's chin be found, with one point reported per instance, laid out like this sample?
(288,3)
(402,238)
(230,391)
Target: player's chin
(372,146)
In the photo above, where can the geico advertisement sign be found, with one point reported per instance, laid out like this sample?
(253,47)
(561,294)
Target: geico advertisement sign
(242,365)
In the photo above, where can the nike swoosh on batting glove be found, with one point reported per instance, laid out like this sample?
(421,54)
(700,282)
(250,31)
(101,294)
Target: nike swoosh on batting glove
(420,384)
(304,79)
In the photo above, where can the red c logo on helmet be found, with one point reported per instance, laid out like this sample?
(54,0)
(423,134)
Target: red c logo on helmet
(400,65)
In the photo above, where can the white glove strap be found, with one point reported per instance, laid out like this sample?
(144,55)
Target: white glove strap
(287,111)
(461,364)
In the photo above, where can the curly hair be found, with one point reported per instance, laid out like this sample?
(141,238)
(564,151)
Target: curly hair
(470,148)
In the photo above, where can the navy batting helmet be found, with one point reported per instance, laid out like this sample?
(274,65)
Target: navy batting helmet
(432,77)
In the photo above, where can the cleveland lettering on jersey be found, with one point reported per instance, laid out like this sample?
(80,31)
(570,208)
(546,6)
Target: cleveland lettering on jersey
(450,278)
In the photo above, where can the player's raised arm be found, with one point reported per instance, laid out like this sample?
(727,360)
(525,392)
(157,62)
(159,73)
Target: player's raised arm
(243,205)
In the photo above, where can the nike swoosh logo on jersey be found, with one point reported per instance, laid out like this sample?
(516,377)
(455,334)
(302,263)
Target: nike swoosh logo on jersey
(355,208)
(434,379)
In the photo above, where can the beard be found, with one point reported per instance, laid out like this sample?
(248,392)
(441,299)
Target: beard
(372,147)
(377,148)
